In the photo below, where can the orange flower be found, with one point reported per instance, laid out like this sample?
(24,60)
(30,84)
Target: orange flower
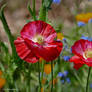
(47,68)
(2,82)
(54,81)
(0,72)
(40,60)
(44,80)
(84,17)
(60,36)
(41,89)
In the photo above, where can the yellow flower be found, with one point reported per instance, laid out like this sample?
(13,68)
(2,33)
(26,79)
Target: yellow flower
(2,82)
(84,17)
(60,36)
(47,68)
(0,72)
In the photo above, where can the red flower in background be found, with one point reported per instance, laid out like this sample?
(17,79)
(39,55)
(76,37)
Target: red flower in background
(83,53)
(37,41)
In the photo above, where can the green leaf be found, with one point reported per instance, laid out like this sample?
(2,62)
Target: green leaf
(5,48)
(8,32)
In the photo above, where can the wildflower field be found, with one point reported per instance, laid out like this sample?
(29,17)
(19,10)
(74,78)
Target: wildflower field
(45,46)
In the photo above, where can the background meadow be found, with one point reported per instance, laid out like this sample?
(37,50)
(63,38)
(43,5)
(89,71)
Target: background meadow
(17,75)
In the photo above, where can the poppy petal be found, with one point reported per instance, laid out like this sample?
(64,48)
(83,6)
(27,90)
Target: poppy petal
(88,61)
(80,46)
(38,28)
(77,66)
(24,52)
(49,33)
(79,49)
(76,60)
(48,52)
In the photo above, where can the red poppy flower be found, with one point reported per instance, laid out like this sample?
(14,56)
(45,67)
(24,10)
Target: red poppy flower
(37,41)
(83,53)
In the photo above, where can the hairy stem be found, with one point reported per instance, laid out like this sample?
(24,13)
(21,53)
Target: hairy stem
(52,75)
(89,71)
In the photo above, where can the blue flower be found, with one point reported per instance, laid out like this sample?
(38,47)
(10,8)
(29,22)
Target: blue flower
(70,50)
(89,39)
(90,21)
(81,24)
(68,80)
(62,81)
(65,43)
(40,74)
(66,73)
(66,47)
(60,74)
(56,1)
(64,39)
(66,58)
(86,38)
(91,85)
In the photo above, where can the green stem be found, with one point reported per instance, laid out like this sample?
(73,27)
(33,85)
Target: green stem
(80,82)
(49,6)
(34,6)
(52,75)
(42,1)
(88,79)
(8,32)
(34,13)
(42,71)
(59,63)
(39,89)
(29,78)
(31,12)
(42,14)
(89,33)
